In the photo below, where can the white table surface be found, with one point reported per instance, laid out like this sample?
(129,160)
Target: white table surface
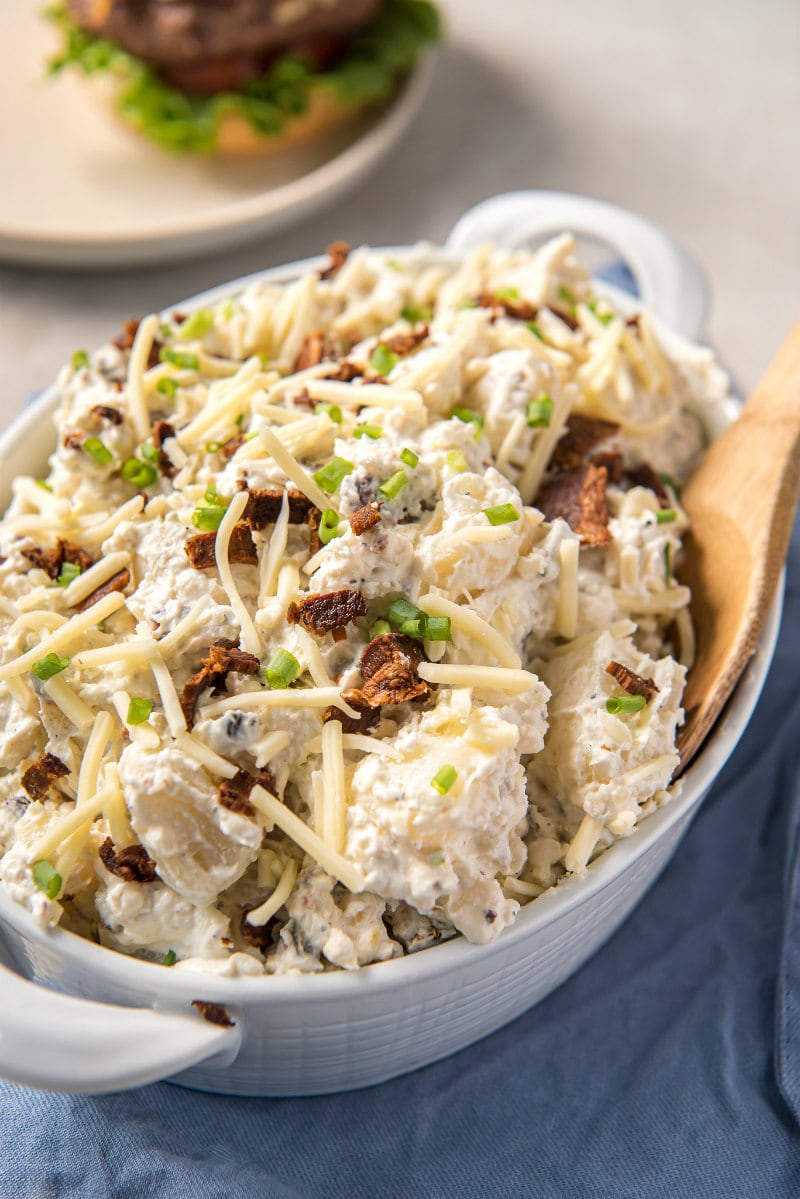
(686,110)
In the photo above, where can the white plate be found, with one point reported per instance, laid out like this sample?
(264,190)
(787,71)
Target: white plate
(85,192)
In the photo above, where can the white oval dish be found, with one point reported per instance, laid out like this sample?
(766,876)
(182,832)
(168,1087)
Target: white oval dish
(123,1022)
(121,201)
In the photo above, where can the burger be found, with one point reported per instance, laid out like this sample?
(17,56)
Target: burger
(242,76)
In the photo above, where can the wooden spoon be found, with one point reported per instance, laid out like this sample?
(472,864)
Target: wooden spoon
(740,502)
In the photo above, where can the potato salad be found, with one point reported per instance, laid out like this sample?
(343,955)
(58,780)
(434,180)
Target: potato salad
(347,617)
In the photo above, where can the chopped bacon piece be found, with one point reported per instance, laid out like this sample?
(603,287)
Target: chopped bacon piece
(312,351)
(612,461)
(161,431)
(632,682)
(113,415)
(314,539)
(520,310)
(234,794)
(645,476)
(200,548)
(404,343)
(264,506)
(579,496)
(582,434)
(338,253)
(368,716)
(633,321)
(41,774)
(133,864)
(73,441)
(214,1013)
(389,665)
(52,560)
(229,447)
(328,610)
(128,336)
(221,661)
(262,936)
(117,582)
(365,518)
(347,371)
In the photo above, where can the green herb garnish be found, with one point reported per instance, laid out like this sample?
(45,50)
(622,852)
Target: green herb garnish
(392,486)
(167,387)
(415,315)
(139,711)
(80,359)
(668,562)
(373,431)
(170,958)
(539,412)
(96,450)
(382,359)
(282,670)
(534,329)
(625,703)
(328,526)
(665,516)
(444,778)
(182,359)
(566,296)
(380,629)
(470,417)
(47,878)
(197,324)
(45,486)
(141,474)
(332,411)
(68,572)
(330,476)
(409,457)
(50,665)
(456,461)
(437,628)
(502,514)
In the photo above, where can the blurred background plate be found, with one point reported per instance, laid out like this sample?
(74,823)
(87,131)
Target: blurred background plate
(81,191)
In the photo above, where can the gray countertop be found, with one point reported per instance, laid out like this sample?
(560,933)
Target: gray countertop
(684,111)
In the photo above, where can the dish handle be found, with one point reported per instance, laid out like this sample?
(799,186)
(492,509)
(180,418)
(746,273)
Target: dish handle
(56,1042)
(670,281)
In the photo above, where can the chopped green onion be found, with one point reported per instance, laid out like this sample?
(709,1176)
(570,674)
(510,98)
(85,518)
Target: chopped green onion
(436,858)
(49,665)
(180,358)
(197,324)
(566,295)
(470,417)
(167,387)
(605,318)
(416,315)
(456,461)
(68,572)
(139,711)
(467,304)
(333,411)
(503,514)
(444,778)
(330,476)
(141,474)
(413,628)
(437,628)
(251,436)
(539,412)
(373,431)
(208,518)
(227,310)
(213,447)
(45,486)
(665,516)
(507,293)
(80,359)
(534,329)
(170,958)
(96,450)
(47,878)
(668,481)
(239,420)
(668,562)
(625,703)
(328,526)
(392,487)
(212,496)
(165,330)
(409,457)
(380,629)
(402,609)
(393,264)
(382,359)
(149,451)
(282,670)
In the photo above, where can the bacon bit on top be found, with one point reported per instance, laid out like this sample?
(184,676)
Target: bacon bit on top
(320,347)
(632,682)
(579,496)
(128,336)
(41,774)
(234,794)
(612,461)
(365,518)
(338,252)
(405,343)
(229,447)
(645,476)
(581,436)
(200,548)
(221,661)
(73,441)
(51,561)
(214,1013)
(133,864)
(368,715)
(314,539)
(162,430)
(261,936)
(389,666)
(117,582)
(347,371)
(112,415)
(264,506)
(328,610)
(520,310)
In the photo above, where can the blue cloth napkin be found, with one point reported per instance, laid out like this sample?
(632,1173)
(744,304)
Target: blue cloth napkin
(654,1073)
